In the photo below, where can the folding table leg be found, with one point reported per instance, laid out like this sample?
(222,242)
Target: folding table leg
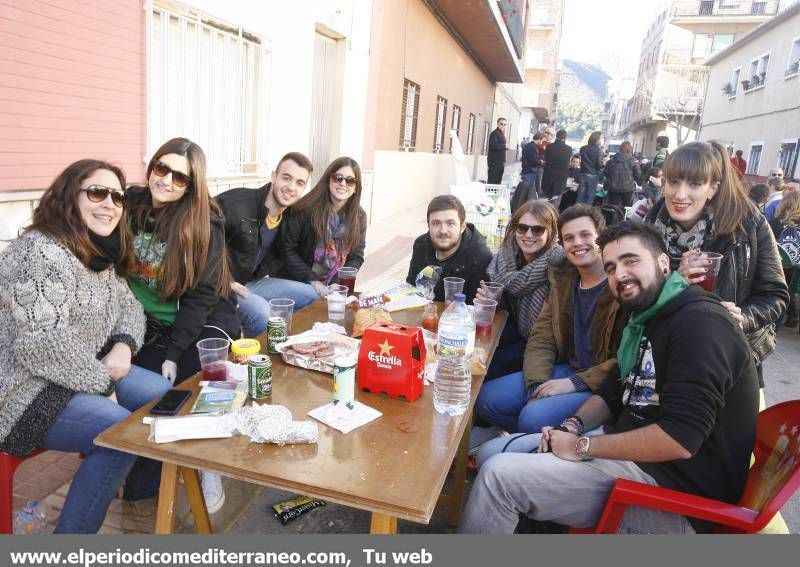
(383,524)
(165,516)
(197,502)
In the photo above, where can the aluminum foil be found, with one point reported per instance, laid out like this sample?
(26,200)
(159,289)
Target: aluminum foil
(270,424)
(342,346)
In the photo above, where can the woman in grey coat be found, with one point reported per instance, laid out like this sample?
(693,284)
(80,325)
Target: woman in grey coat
(68,328)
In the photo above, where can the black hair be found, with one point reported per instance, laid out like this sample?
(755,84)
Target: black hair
(647,234)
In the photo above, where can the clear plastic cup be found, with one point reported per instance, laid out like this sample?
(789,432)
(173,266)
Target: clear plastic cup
(710,282)
(337,297)
(452,286)
(494,289)
(347,277)
(483,311)
(283,308)
(213,354)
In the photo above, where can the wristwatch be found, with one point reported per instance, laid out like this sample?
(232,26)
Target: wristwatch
(582,447)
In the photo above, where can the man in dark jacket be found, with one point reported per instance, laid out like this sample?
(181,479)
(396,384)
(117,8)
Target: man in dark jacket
(556,166)
(453,244)
(621,173)
(683,416)
(591,168)
(496,157)
(253,220)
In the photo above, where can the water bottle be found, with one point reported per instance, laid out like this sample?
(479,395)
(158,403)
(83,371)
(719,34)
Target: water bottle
(456,329)
(452,385)
(451,388)
(32,519)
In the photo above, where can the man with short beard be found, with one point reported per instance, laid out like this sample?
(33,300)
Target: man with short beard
(683,416)
(253,218)
(452,244)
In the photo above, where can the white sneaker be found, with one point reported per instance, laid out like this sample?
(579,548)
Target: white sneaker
(211,483)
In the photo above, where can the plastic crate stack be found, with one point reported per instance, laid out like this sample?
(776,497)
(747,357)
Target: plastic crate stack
(491,218)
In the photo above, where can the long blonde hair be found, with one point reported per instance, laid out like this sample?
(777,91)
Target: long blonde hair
(789,209)
(708,162)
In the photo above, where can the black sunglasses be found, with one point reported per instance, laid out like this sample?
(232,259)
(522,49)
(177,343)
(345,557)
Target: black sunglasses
(98,194)
(536,229)
(179,179)
(348,180)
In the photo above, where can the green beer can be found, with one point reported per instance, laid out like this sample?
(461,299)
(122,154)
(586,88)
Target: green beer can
(259,377)
(276,333)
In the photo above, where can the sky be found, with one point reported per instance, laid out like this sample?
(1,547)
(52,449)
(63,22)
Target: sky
(605,31)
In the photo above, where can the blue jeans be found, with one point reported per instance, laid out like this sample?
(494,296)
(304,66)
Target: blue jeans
(102,471)
(504,402)
(254,309)
(587,188)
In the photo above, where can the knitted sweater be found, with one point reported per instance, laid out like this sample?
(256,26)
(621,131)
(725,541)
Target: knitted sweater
(56,315)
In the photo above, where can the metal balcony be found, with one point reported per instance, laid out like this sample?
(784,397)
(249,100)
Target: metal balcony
(708,11)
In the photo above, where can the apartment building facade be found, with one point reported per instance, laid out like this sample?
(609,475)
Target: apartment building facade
(671,81)
(753,98)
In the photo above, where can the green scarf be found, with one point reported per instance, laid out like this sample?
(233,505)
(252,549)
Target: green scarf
(632,334)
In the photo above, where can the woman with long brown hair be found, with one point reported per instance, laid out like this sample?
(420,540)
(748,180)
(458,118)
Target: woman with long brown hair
(181,274)
(706,209)
(68,328)
(327,228)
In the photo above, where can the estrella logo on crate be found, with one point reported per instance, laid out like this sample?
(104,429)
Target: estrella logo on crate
(385,359)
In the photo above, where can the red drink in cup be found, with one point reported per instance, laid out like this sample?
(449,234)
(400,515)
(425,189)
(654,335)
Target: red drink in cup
(215,371)
(347,278)
(430,318)
(710,282)
(483,329)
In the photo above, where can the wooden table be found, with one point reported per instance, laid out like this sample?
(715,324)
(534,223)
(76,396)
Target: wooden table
(394,467)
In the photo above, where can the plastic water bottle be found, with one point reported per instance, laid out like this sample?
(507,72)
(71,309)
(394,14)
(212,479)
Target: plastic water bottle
(456,329)
(452,385)
(32,519)
(451,388)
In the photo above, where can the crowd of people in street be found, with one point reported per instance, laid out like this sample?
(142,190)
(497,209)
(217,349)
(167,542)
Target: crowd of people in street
(612,363)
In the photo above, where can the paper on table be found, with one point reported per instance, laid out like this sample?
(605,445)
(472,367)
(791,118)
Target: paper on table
(345,420)
(169,429)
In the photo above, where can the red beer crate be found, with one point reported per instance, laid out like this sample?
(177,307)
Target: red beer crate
(392,360)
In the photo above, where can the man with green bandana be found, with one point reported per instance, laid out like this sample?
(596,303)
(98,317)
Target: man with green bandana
(682,414)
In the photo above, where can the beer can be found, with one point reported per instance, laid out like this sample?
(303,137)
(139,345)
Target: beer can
(259,377)
(276,333)
(344,381)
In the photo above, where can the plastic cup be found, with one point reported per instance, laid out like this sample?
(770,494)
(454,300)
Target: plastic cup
(213,355)
(337,298)
(452,286)
(347,277)
(483,311)
(494,289)
(283,308)
(710,282)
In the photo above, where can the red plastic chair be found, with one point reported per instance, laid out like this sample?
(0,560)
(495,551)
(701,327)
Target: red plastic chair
(8,465)
(772,480)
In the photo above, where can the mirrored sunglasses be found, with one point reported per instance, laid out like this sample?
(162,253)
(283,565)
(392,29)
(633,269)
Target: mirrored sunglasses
(98,194)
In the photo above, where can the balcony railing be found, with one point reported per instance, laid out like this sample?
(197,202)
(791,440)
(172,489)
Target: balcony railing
(723,8)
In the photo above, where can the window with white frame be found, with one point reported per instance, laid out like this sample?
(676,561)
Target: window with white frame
(470,133)
(752,73)
(735,81)
(793,63)
(438,130)
(701,45)
(208,82)
(787,159)
(408,116)
(757,74)
(721,41)
(455,123)
(485,147)
(754,158)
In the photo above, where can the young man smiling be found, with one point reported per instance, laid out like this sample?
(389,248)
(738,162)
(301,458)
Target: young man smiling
(252,221)
(453,244)
(572,346)
(683,416)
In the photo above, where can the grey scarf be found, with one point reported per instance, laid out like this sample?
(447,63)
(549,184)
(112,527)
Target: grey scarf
(679,240)
(525,288)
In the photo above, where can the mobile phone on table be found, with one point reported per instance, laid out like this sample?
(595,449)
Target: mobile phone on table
(171,402)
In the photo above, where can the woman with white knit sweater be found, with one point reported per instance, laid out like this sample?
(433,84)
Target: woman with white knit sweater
(69,326)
